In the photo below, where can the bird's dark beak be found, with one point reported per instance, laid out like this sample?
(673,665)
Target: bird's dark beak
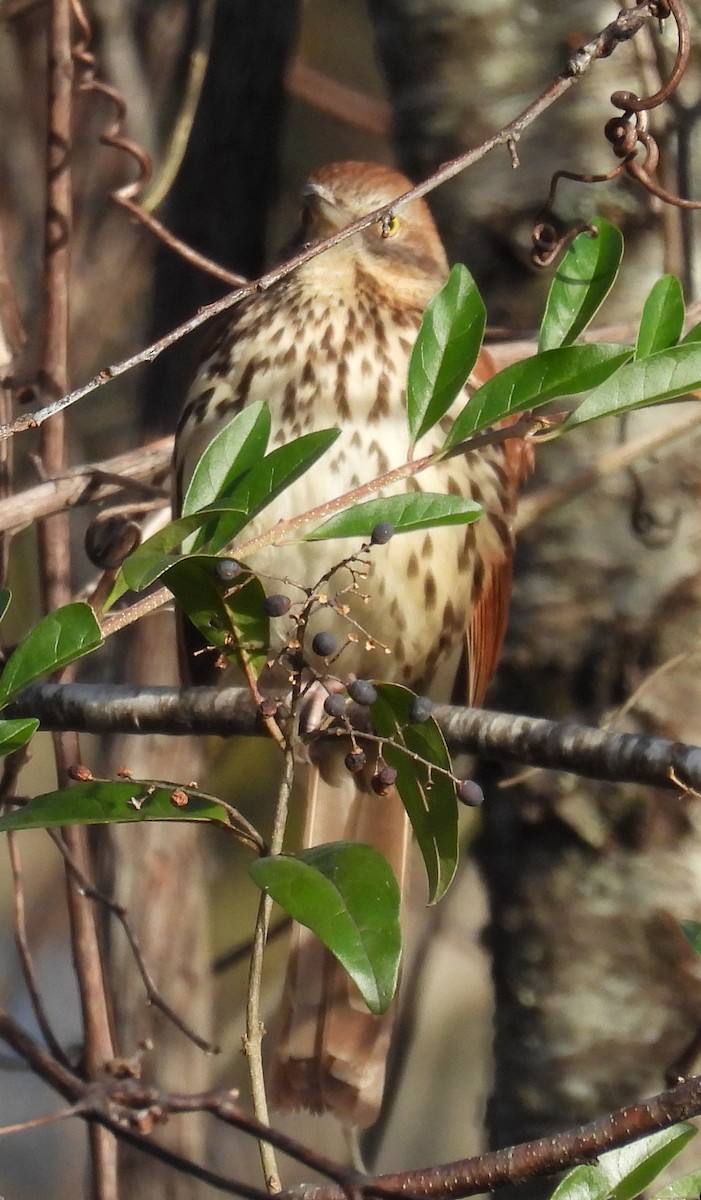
(325,214)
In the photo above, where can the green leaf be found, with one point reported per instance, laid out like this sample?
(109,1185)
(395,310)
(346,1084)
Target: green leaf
(585,1182)
(236,625)
(58,639)
(581,284)
(5,597)
(429,798)
(631,1169)
(445,351)
(101,802)
(237,448)
(646,381)
(692,335)
(663,317)
(346,893)
(277,472)
(535,381)
(15,734)
(686,1188)
(417,510)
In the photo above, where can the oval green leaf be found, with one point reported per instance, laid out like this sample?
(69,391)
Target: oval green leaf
(15,734)
(58,639)
(235,624)
(663,317)
(631,1169)
(688,1187)
(106,802)
(663,376)
(445,351)
(428,797)
(237,448)
(534,382)
(582,282)
(585,1182)
(692,933)
(417,510)
(346,893)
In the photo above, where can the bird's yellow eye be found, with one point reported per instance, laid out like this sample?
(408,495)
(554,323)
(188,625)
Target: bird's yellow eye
(390,226)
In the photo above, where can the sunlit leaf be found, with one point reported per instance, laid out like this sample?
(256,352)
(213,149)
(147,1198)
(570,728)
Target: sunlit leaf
(15,734)
(663,376)
(663,317)
(688,1187)
(445,351)
(585,1182)
(409,512)
(535,381)
(429,797)
(100,802)
(692,335)
(237,448)
(346,893)
(582,282)
(632,1168)
(271,477)
(58,639)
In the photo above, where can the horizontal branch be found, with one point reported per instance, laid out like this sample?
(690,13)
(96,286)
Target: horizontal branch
(564,746)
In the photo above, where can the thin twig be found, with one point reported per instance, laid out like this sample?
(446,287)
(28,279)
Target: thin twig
(253,1040)
(624,27)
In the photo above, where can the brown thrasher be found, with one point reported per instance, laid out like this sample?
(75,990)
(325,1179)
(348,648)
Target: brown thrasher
(329,345)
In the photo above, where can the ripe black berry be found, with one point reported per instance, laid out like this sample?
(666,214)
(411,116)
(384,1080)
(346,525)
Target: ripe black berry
(362,691)
(324,643)
(420,709)
(383,780)
(355,761)
(335,705)
(382,533)
(470,793)
(227,569)
(276,605)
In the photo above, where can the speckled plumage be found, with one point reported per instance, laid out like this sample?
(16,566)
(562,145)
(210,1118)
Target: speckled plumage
(329,345)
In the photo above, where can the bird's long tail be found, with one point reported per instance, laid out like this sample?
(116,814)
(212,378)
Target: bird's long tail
(331,1052)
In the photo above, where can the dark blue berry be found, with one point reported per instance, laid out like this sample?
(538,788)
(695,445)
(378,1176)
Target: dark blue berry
(383,780)
(335,705)
(324,643)
(362,691)
(355,761)
(276,605)
(227,569)
(470,793)
(382,533)
(420,709)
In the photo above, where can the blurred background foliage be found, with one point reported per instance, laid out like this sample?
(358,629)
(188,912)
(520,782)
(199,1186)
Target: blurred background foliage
(237,101)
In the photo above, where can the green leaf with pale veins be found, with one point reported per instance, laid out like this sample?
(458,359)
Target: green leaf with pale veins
(15,734)
(236,625)
(346,893)
(631,1169)
(662,376)
(429,797)
(585,1182)
(417,510)
(688,1187)
(272,476)
(535,381)
(663,317)
(236,449)
(445,351)
(106,802)
(582,282)
(58,639)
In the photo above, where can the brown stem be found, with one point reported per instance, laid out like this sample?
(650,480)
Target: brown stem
(53,537)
